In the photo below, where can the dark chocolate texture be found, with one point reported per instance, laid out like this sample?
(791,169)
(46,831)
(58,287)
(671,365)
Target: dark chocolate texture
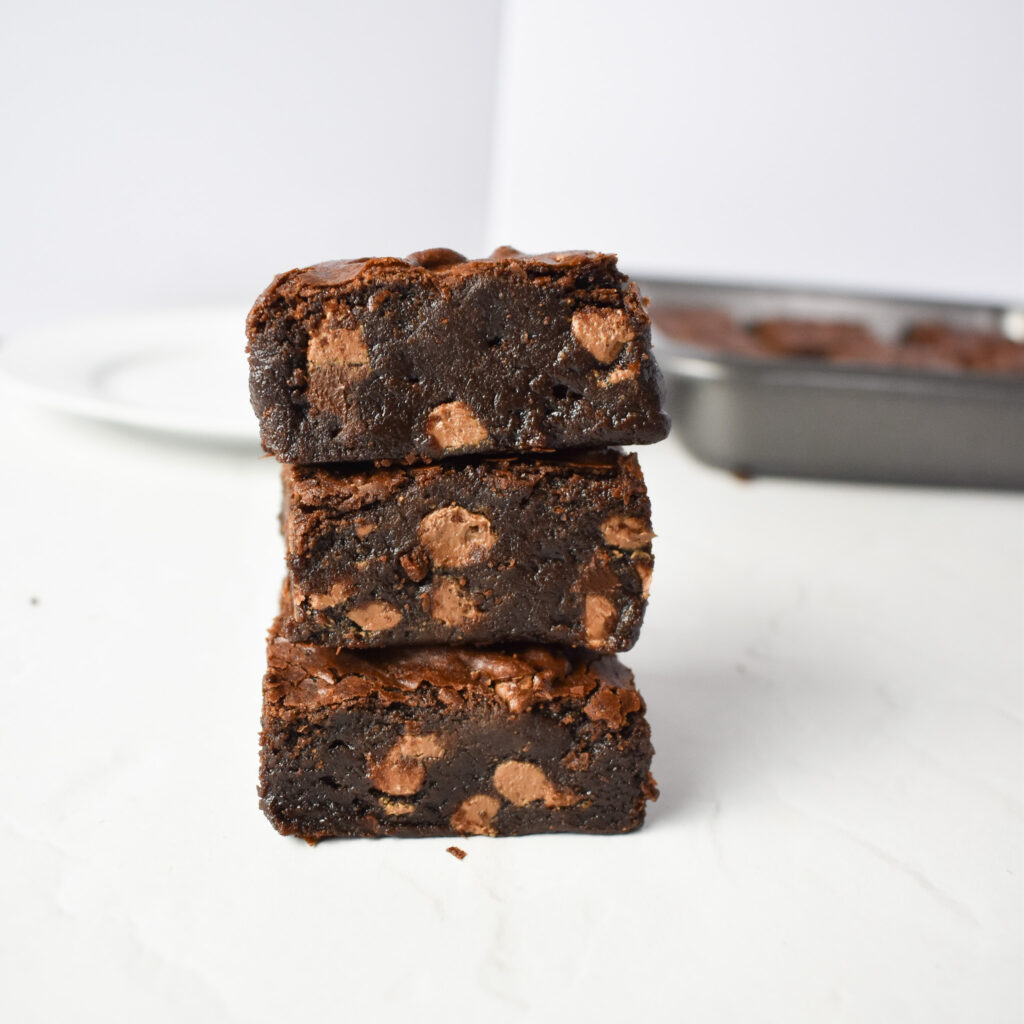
(423,741)
(436,355)
(543,548)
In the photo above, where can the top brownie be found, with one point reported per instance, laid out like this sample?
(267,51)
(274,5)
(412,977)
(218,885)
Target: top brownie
(437,355)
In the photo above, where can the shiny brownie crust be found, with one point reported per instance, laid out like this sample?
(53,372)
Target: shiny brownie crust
(436,355)
(544,549)
(451,741)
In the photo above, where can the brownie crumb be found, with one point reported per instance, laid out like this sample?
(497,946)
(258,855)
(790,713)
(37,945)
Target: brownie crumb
(456,852)
(650,788)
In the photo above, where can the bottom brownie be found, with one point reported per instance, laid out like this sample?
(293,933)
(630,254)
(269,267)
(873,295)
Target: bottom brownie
(423,741)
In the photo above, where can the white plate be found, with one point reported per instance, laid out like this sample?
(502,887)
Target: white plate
(181,371)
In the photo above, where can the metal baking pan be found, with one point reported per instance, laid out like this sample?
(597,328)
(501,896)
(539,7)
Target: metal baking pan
(809,418)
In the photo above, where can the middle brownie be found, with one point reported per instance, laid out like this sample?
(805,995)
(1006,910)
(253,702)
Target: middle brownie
(545,549)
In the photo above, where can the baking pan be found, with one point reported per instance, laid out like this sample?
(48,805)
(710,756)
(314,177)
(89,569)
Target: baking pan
(810,418)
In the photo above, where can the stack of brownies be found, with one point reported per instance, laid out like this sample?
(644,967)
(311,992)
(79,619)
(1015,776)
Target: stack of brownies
(465,552)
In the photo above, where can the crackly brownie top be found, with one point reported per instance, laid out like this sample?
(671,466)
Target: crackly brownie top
(308,678)
(442,266)
(343,490)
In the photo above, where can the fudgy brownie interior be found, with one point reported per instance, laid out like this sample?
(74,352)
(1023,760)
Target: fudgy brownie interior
(545,548)
(435,355)
(448,740)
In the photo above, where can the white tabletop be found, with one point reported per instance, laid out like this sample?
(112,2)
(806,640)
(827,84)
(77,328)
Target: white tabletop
(834,677)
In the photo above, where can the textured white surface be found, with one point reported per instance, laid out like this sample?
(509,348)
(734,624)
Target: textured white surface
(180,371)
(834,676)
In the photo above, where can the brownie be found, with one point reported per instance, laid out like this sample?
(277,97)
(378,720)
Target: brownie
(422,741)
(813,339)
(926,346)
(542,548)
(436,355)
(822,339)
(699,325)
(974,350)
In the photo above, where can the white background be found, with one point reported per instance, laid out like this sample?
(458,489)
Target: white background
(166,153)
(834,673)
(158,154)
(866,143)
